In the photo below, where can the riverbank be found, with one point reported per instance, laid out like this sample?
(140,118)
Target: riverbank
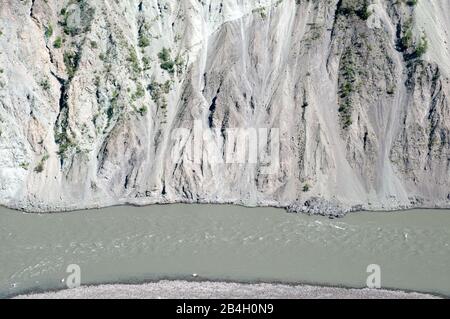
(313,206)
(221,290)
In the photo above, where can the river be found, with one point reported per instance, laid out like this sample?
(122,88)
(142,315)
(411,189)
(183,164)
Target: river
(223,242)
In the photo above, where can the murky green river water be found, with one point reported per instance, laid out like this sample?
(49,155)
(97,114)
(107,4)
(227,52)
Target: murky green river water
(219,242)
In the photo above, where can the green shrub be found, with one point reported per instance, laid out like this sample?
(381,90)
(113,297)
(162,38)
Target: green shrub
(166,61)
(133,59)
(39,168)
(143,110)
(48,31)
(168,66)
(422,47)
(146,63)
(45,84)
(407,40)
(164,55)
(140,92)
(71,60)
(57,43)
(144,41)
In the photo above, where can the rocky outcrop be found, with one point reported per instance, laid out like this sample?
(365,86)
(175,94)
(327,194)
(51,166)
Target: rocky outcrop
(344,103)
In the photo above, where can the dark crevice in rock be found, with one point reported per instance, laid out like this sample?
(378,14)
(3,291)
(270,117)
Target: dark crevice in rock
(163,192)
(225,124)
(433,114)
(336,17)
(62,119)
(102,155)
(32,12)
(50,54)
(125,185)
(252,104)
(212,109)
(62,123)
(366,138)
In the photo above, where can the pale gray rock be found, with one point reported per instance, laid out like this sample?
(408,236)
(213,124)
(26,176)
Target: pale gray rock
(90,102)
(222,290)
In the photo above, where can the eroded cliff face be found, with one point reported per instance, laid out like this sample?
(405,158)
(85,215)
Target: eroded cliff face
(94,93)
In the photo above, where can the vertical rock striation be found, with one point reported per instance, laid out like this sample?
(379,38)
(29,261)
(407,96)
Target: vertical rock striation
(92,94)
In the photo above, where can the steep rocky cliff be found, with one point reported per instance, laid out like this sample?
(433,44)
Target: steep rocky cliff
(94,92)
